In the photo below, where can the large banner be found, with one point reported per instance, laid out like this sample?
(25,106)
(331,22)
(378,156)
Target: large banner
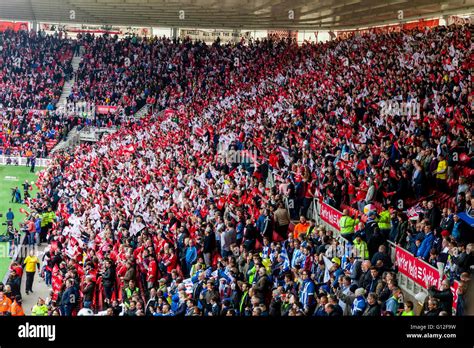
(15,26)
(105,109)
(96,29)
(417,270)
(454,290)
(330,215)
(283,34)
(460,20)
(210,35)
(421,24)
(422,273)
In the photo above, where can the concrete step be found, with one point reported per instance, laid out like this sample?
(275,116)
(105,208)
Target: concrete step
(68,85)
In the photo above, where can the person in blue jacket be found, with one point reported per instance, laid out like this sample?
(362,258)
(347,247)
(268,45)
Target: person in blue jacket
(425,247)
(10,216)
(359,304)
(190,256)
(38,228)
(70,298)
(307,293)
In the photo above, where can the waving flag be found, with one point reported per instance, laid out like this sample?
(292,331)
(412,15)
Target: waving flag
(286,154)
(284,255)
(414,212)
(199,131)
(328,265)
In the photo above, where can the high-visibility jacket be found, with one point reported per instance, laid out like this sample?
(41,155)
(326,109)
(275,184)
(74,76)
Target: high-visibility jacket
(129,292)
(361,249)
(347,224)
(17,310)
(242,300)
(5,305)
(251,274)
(442,166)
(50,217)
(39,311)
(44,219)
(300,229)
(384,220)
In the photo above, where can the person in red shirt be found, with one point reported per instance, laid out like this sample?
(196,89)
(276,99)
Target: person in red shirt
(170,261)
(151,272)
(308,196)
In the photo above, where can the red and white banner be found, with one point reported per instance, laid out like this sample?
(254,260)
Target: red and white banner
(15,26)
(420,24)
(282,34)
(459,20)
(105,109)
(95,29)
(417,270)
(330,215)
(454,290)
(422,273)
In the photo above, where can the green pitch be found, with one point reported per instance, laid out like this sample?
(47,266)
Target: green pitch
(10,177)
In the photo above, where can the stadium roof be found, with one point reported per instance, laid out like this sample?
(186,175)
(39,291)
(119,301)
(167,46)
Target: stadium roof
(248,14)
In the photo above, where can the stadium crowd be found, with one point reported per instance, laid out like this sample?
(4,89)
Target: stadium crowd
(183,212)
(33,68)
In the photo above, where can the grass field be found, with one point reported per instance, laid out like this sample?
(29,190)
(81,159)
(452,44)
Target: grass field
(10,177)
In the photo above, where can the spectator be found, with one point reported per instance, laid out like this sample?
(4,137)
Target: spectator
(444,296)
(359,305)
(282,220)
(433,309)
(408,309)
(14,281)
(373,308)
(139,194)
(425,247)
(392,304)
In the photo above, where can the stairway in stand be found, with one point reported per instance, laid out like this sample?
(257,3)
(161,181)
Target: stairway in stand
(67,88)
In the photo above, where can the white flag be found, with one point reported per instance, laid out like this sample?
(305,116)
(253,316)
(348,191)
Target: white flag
(286,154)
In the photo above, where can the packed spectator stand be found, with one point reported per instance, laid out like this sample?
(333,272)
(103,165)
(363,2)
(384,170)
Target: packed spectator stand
(164,218)
(33,68)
